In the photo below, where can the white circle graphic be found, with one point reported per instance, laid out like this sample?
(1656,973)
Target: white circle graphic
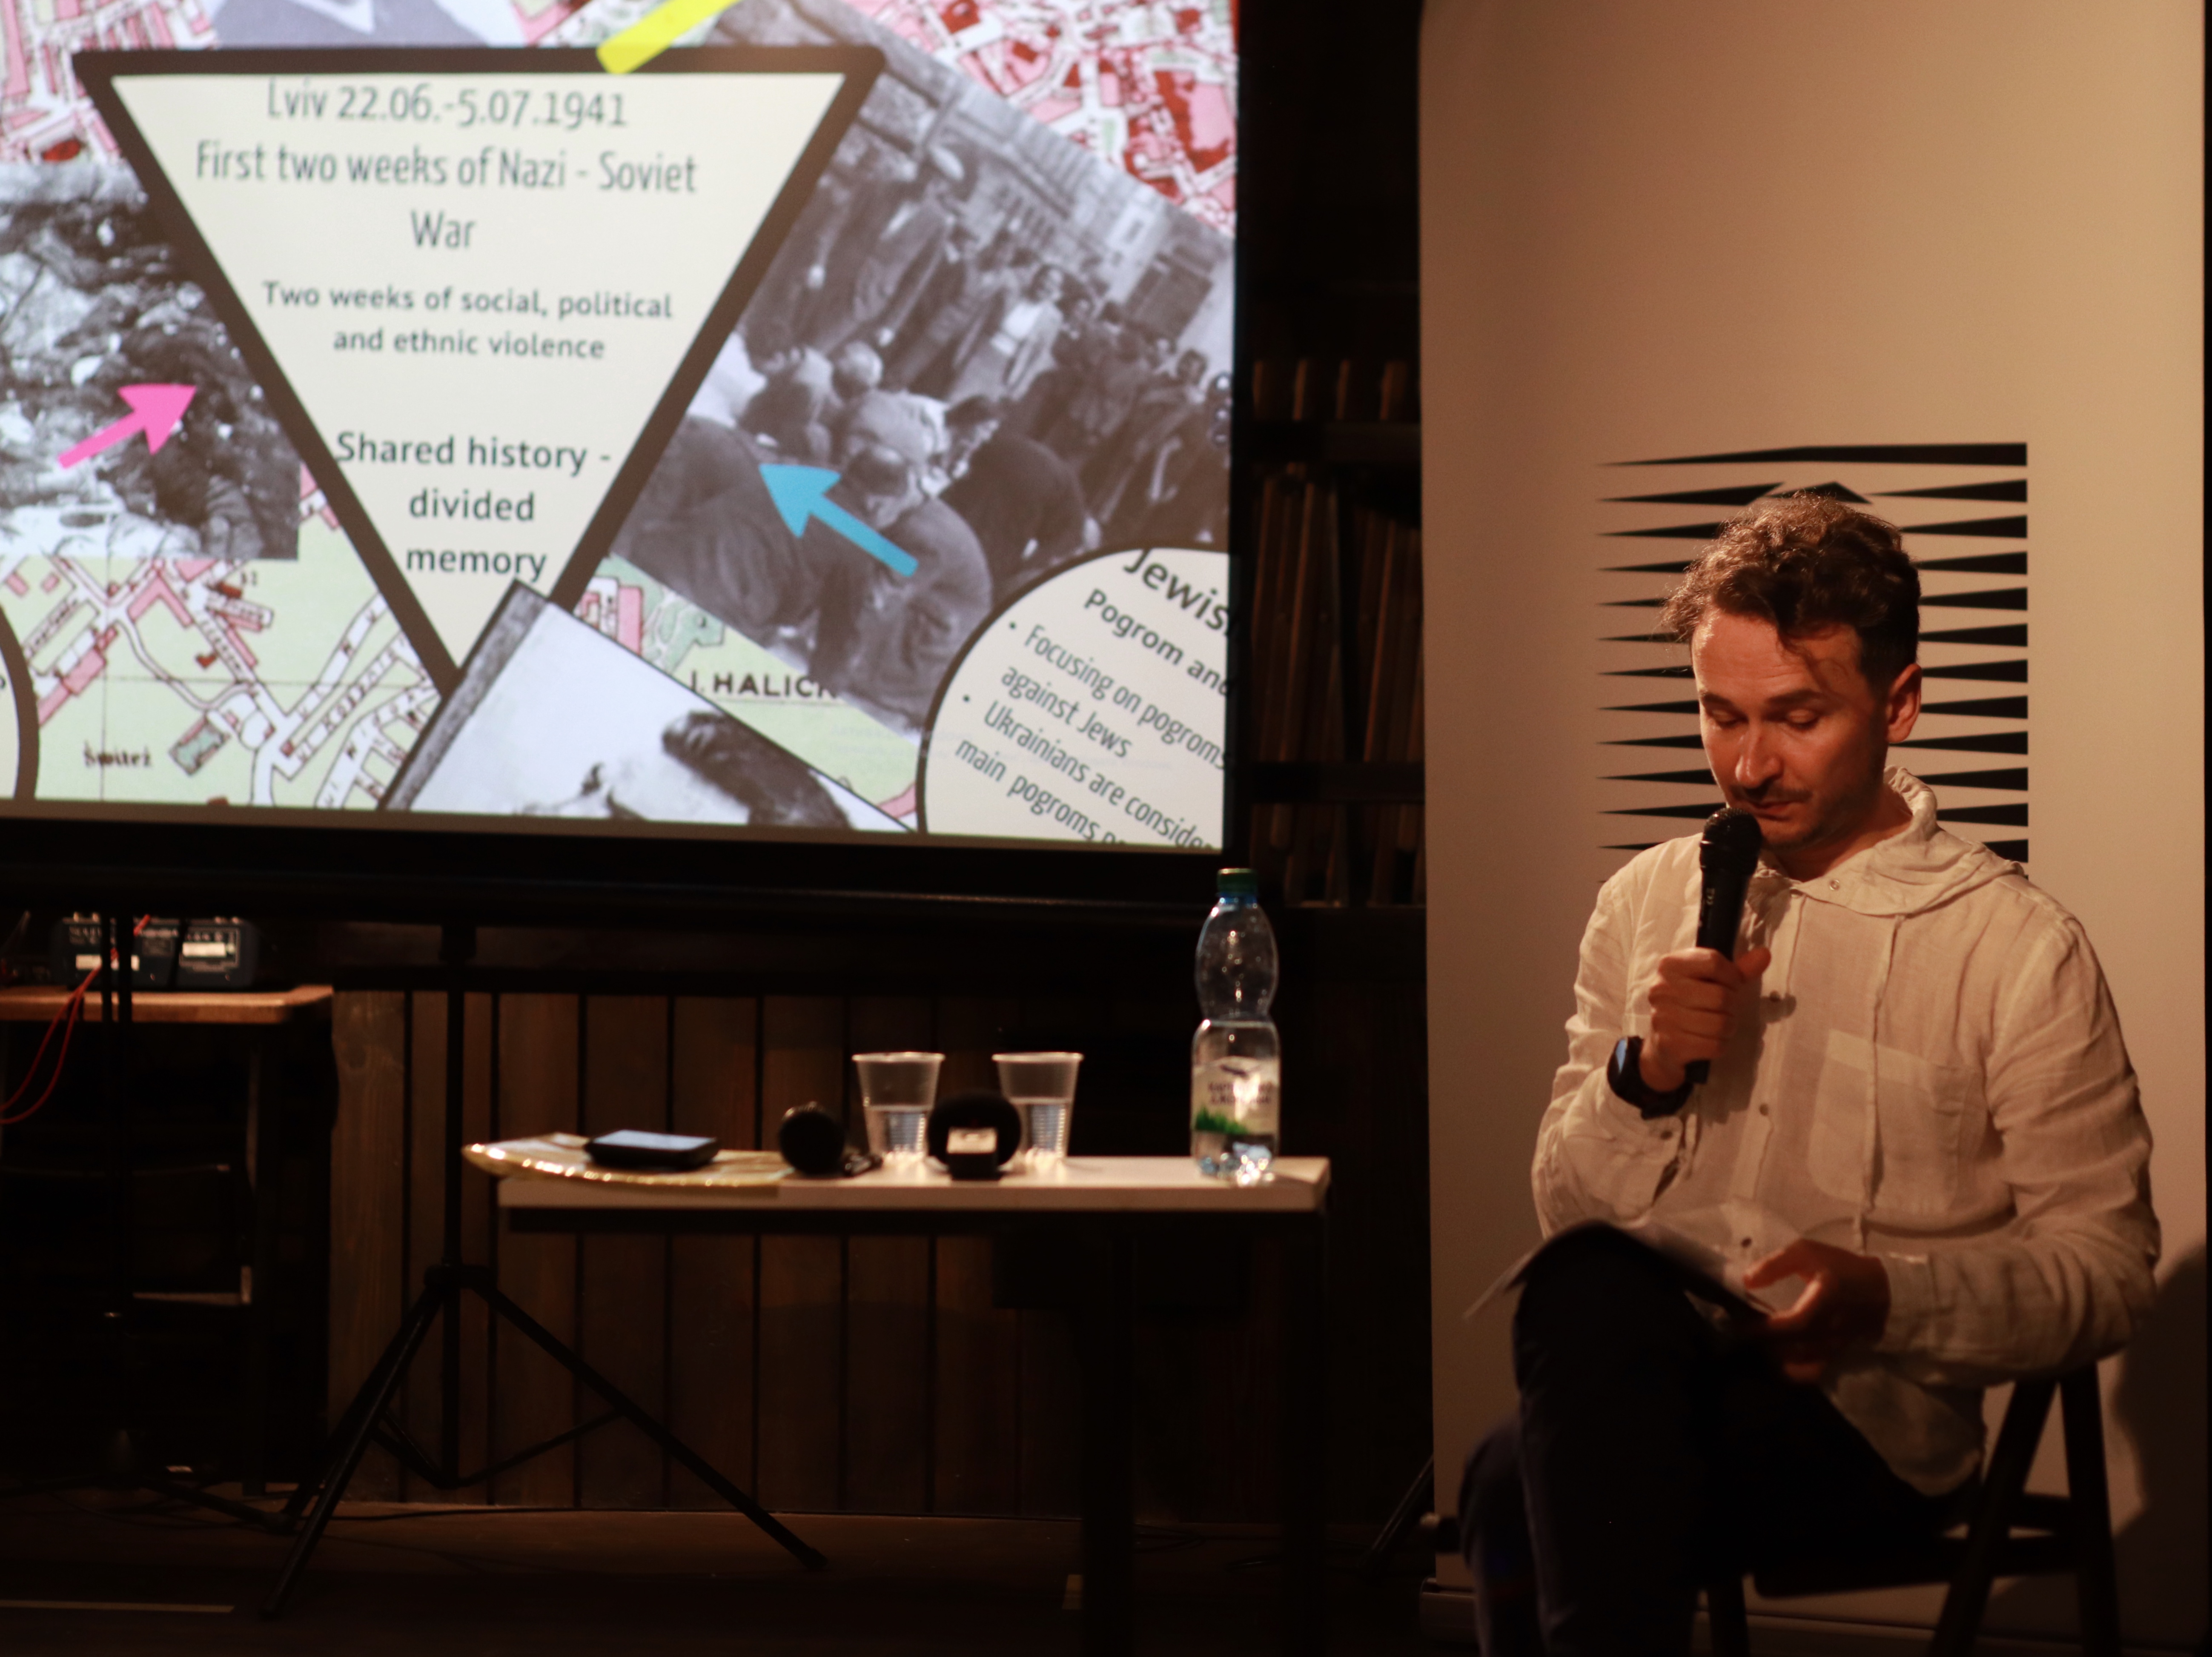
(1092,708)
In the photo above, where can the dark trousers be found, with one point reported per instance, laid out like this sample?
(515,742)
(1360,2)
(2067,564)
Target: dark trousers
(1651,1453)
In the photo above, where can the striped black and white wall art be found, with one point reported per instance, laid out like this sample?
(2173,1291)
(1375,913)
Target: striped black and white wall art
(1962,507)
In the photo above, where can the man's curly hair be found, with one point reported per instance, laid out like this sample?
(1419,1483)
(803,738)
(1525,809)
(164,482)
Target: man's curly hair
(1802,565)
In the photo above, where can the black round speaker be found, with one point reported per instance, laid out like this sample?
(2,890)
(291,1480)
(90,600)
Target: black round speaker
(974,1133)
(811,1140)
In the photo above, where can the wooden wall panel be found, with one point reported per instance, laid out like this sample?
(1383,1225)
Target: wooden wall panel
(887,1308)
(971,1028)
(1051,1417)
(369,1193)
(622,1318)
(531,1398)
(715,1065)
(979,1391)
(1375,1229)
(478,1220)
(887,1375)
(872,1374)
(426,1079)
(1177,1414)
(425,1108)
(799,1431)
(977,1375)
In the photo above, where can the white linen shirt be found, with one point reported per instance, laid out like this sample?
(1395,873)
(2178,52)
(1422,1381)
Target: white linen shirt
(1929,1070)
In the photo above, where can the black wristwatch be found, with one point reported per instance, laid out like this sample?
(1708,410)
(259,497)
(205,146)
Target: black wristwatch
(1624,1076)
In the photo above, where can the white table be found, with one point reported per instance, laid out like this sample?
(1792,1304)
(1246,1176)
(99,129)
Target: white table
(1078,1184)
(1102,1202)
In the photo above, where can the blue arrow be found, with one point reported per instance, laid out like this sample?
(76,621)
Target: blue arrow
(802,492)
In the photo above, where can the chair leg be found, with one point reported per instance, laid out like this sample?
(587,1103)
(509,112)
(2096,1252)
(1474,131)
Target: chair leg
(1724,1612)
(2001,1484)
(2096,1580)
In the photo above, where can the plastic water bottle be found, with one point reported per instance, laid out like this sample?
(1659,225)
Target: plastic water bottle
(1236,1058)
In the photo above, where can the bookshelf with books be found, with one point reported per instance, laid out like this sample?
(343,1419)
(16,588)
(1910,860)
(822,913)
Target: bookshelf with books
(1334,708)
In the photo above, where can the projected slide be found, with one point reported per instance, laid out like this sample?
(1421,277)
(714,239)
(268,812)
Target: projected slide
(476,436)
(456,301)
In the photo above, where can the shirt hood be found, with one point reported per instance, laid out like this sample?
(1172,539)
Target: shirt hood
(1921,867)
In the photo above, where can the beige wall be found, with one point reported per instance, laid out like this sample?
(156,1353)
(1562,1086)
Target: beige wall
(1675,229)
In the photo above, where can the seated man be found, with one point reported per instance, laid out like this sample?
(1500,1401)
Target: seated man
(706,524)
(1019,497)
(885,641)
(801,408)
(1919,1107)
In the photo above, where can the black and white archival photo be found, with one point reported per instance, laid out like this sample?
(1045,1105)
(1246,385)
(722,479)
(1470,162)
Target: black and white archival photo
(983,352)
(93,300)
(554,718)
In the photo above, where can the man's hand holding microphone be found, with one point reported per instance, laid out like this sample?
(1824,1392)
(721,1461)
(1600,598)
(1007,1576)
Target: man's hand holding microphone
(1845,1300)
(1694,998)
(1693,1002)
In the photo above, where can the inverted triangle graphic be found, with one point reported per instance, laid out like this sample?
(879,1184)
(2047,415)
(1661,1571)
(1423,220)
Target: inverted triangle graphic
(479,286)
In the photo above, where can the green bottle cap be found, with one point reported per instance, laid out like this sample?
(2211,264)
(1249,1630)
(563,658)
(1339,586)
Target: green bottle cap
(1238,883)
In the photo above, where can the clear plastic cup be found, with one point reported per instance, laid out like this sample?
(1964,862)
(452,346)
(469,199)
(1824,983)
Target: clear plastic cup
(897,1091)
(1041,1086)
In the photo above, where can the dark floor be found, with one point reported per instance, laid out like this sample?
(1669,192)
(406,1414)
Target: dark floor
(429,1582)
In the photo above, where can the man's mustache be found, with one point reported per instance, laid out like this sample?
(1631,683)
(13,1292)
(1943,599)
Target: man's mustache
(1767,794)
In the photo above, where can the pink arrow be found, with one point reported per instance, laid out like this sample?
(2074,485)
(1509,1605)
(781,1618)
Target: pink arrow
(155,410)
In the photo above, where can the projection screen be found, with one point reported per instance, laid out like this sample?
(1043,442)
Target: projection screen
(821,431)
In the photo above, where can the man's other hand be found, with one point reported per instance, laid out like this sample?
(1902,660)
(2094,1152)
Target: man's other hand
(1692,1011)
(1845,1304)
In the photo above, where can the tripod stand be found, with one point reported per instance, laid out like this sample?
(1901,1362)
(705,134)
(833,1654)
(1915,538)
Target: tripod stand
(444,1284)
(122,1469)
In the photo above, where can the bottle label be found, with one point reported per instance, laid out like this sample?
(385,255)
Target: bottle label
(1235,1095)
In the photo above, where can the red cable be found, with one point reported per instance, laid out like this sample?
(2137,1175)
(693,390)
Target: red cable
(66,1021)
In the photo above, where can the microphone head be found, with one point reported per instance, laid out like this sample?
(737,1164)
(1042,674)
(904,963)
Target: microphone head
(1731,843)
(811,1140)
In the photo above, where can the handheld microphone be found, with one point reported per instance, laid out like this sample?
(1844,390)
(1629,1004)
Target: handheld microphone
(1728,853)
(813,1142)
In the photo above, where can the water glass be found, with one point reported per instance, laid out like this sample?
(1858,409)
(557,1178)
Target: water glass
(897,1090)
(1042,1087)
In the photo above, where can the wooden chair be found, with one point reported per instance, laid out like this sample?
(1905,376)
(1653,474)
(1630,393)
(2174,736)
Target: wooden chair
(2009,1533)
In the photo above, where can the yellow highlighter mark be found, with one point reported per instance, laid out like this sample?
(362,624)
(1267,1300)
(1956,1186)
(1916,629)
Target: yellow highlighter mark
(654,33)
